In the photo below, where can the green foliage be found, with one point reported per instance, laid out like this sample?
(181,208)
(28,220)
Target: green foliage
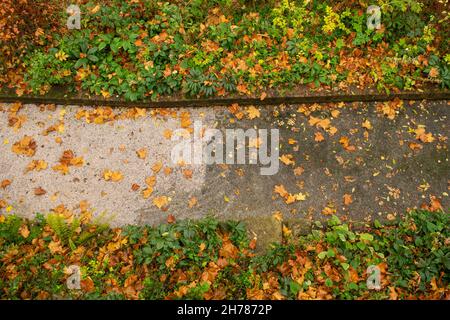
(63,230)
(194,259)
(206,48)
(419,245)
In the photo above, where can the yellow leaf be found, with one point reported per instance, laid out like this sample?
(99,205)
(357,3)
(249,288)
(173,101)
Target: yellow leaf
(253,113)
(157,167)
(161,201)
(37,165)
(367,125)
(287,159)
(24,232)
(64,169)
(114,176)
(286,231)
(328,211)
(26,146)
(187,173)
(142,153)
(277,215)
(167,134)
(77,162)
(300,196)
(335,113)
(147,192)
(55,247)
(150,181)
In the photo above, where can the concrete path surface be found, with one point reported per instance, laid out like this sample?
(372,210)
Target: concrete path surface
(359,161)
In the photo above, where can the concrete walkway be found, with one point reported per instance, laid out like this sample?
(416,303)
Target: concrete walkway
(359,161)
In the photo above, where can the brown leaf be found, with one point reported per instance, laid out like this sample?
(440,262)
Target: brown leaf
(39,191)
(171,218)
(187,173)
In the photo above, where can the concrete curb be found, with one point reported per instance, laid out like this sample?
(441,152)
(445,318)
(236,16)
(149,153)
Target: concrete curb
(191,103)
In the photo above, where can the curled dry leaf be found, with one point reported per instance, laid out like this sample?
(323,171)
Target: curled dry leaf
(39,191)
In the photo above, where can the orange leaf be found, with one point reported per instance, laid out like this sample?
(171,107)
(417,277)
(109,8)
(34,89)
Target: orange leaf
(187,173)
(39,191)
(287,159)
(318,137)
(5,183)
(142,153)
(348,199)
(280,190)
(192,202)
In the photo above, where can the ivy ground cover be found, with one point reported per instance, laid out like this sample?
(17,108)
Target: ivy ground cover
(144,49)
